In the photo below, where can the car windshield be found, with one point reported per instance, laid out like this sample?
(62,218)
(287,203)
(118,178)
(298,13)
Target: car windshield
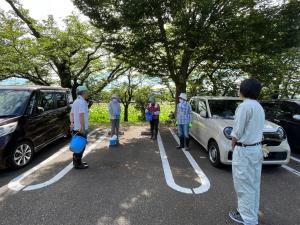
(13,102)
(223,108)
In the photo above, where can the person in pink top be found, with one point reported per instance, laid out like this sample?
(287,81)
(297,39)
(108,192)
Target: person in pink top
(154,109)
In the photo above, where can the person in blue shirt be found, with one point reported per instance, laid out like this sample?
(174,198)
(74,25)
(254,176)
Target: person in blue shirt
(184,111)
(247,160)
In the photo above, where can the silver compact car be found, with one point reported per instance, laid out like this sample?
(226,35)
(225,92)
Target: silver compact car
(212,124)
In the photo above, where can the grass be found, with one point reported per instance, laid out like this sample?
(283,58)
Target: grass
(99,114)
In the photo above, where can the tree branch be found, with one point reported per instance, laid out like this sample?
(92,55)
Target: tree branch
(26,20)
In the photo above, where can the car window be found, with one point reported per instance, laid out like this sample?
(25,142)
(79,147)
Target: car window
(70,97)
(194,106)
(201,107)
(13,102)
(271,109)
(46,100)
(286,110)
(61,99)
(224,108)
(31,105)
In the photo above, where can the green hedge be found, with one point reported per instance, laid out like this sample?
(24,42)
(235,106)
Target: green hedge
(99,113)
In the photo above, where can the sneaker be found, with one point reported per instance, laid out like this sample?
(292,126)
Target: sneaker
(236,216)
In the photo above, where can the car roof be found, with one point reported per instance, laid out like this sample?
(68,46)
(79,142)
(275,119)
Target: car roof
(31,88)
(282,100)
(215,98)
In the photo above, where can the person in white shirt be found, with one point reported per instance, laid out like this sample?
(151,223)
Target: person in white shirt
(247,136)
(79,119)
(114,109)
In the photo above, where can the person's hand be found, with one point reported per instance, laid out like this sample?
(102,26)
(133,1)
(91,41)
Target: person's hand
(233,143)
(72,126)
(82,131)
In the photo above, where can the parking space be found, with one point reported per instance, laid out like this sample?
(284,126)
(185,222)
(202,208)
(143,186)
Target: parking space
(132,185)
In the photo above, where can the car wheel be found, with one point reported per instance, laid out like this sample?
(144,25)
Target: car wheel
(214,154)
(21,155)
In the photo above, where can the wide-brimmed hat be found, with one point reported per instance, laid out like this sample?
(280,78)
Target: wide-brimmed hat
(114,96)
(81,89)
(183,96)
(152,99)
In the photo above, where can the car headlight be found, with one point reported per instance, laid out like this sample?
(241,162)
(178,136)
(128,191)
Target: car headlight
(8,128)
(281,133)
(227,132)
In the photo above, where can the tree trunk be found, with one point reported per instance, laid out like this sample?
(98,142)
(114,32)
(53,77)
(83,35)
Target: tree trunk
(126,106)
(180,88)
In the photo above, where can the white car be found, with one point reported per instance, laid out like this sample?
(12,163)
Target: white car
(212,122)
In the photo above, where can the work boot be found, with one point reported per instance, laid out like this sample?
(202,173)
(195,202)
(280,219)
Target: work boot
(155,135)
(181,145)
(151,136)
(187,144)
(81,166)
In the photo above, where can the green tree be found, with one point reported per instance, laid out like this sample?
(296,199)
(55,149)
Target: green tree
(141,98)
(171,39)
(73,53)
(125,89)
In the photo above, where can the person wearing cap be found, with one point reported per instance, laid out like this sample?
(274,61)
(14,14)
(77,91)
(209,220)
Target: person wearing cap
(184,111)
(247,158)
(79,119)
(154,109)
(114,115)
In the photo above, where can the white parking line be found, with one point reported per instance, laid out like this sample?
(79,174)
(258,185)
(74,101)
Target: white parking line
(15,184)
(290,169)
(295,159)
(205,183)
(167,170)
(63,172)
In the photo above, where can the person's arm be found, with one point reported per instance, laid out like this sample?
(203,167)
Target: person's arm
(190,113)
(158,110)
(82,111)
(119,108)
(82,124)
(239,125)
(71,120)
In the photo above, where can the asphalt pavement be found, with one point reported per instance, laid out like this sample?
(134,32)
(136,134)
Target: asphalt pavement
(139,182)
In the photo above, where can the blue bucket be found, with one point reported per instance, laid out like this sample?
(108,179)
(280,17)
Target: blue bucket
(113,142)
(149,116)
(78,144)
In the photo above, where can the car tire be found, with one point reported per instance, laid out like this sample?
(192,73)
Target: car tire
(214,154)
(21,155)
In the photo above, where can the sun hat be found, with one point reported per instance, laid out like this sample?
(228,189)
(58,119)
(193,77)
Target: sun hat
(183,96)
(81,89)
(114,96)
(152,99)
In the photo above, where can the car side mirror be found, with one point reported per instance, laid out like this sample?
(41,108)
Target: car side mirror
(203,114)
(296,117)
(40,110)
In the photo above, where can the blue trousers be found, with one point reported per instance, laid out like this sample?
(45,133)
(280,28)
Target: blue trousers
(183,130)
(246,172)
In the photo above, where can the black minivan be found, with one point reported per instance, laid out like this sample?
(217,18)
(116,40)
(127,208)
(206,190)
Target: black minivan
(285,113)
(31,117)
